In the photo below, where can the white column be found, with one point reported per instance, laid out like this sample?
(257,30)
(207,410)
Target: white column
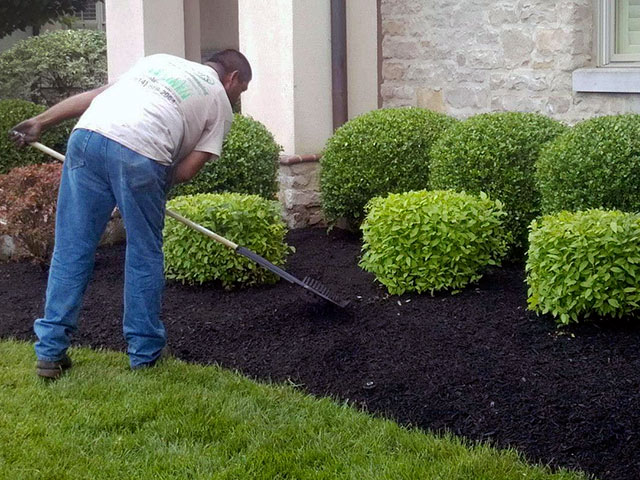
(192,49)
(137,28)
(362,56)
(288,43)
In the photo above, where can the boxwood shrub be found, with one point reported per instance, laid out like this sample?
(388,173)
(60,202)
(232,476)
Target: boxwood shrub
(13,112)
(593,165)
(248,164)
(496,153)
(248,220)
(432,240)
(50,67)
(380,152)
(583,264)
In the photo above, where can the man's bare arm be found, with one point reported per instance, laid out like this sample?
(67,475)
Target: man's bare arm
(191,165)
(71,107)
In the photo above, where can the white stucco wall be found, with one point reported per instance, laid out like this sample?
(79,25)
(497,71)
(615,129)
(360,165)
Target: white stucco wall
(219,24)
(288,45)
(266,38)
(136,28)
(362,56)
(312,73)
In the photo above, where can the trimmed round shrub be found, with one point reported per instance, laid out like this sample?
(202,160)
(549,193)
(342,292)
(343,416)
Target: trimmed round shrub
(596,164)
(50,67)
(380,152)
(248,164)
(13,112)
(432,240)
(583,264)
(496,153)
(247,220)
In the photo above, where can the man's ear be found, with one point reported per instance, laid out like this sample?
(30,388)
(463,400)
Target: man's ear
(234,76)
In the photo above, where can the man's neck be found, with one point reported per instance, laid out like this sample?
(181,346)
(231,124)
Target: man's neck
(217,67)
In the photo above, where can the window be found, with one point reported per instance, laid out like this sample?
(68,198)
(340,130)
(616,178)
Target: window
(618,44)
(92,15)
(619,33)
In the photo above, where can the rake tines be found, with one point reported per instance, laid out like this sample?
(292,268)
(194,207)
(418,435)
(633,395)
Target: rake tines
(319,289)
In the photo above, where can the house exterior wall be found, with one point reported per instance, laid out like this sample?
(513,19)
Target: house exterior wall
(473,56)
(218,25)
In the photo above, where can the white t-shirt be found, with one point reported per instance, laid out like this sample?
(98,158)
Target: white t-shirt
(163,108)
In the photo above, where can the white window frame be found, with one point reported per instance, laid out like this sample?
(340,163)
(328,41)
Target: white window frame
(606,39)
(97,23)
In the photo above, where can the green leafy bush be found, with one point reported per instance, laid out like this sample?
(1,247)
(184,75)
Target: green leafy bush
(432,240)
(50,67)
(248,164)
(380,152)
(496,153)
(28,198)
(13,112)
(248,220)
(593,165)
(584,263)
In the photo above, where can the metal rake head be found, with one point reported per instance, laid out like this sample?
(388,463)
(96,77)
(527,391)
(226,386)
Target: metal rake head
(319,289)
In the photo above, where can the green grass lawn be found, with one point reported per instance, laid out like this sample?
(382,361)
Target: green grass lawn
(184,421)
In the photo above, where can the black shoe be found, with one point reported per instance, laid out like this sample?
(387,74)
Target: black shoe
(164,354)
(53,370)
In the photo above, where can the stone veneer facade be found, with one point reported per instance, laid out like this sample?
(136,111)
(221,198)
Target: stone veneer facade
(474,56)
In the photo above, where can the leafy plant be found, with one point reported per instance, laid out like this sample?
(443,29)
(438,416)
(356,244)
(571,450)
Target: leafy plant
(248,164)
(52,66)
(593,165)
(496,153)
(584,263)
(27,207)
(432,240)
(13,112)
(380,152)
(248,220)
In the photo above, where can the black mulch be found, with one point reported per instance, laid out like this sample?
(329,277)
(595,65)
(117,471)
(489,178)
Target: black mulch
(476,363)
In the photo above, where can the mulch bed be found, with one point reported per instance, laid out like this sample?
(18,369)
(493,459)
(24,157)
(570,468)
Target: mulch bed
(477,363)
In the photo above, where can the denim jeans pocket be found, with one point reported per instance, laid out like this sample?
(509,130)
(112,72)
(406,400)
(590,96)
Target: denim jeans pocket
(78,141)
(144,174)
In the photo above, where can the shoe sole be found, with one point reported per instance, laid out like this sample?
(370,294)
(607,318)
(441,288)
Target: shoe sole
(51,373)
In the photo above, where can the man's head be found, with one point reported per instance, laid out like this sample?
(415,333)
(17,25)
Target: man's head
(236,72)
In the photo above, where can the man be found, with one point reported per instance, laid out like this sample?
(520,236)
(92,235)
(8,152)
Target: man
(157,125)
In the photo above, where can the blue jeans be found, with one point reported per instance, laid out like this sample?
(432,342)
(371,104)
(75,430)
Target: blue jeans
(99,174)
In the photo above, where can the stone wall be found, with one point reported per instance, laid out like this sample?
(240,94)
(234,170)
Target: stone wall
(473,56)
(299,178)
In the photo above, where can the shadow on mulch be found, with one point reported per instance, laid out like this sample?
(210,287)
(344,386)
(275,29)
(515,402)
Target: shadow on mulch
(477,363)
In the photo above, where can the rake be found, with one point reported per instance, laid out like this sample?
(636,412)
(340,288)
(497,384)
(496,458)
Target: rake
(311,285)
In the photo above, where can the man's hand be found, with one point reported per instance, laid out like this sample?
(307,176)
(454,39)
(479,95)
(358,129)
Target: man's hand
(26,132)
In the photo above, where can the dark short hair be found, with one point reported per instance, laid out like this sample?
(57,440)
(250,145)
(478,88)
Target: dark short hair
(232,60)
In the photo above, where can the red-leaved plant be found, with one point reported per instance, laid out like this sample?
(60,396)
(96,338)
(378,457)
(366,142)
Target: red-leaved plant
(28,209)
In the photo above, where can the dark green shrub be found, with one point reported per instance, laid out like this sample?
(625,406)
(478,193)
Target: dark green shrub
(248,164)
(248,220)
(380,152)
(50,67)
(596,164)
(28,197)
(584,263)
(496,153)
(13,112)
(431,240)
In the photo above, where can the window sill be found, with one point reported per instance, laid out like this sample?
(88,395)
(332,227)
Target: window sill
(607,80)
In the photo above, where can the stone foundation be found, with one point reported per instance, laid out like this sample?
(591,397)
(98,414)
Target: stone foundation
(299,179)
